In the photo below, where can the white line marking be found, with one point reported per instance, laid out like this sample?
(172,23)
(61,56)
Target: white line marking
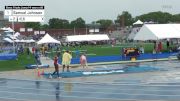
(9,98)
(104,83)
(35,94)
(75,97)
(109,88)
(90,87)
(82,97)
(107,84)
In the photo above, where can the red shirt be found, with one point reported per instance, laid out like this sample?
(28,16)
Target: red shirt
(33,49)
(55,60)
(160,46)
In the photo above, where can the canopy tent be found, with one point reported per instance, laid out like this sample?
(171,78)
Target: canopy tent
(94,37)
(8,40)
(5,28)
(30,41)
(131,36)
(133,33)
(16,34)
(139,22)
(158,31)
(24,41)
(17,40)
(48,39)
(8,29)
(12,37)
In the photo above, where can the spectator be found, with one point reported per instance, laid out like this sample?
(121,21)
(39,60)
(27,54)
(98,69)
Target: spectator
(167,44)
(33,50)
(159,47)
(43,50)
(28,52)
(155,45)
(141,49)
(37,58)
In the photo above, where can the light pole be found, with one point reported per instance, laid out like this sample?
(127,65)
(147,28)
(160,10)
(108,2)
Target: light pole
(86,29)
(164,8)
(74,31)
(13,34)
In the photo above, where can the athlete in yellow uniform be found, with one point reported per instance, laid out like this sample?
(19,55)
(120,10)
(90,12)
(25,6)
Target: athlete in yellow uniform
(66,60)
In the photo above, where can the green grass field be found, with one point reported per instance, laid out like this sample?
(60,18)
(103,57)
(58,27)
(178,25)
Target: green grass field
(99,50)
(18,64)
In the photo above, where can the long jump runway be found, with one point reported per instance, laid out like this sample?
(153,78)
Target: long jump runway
(28,90)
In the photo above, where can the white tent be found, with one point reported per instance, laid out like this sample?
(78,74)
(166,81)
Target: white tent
(16,34)
(131,36)
(158,31)
(8,40)
(17,40)
(94,37)
(139,22)
(23,41)
(12,37)
(48,39)
(7,29)
(133,33)
(30,41)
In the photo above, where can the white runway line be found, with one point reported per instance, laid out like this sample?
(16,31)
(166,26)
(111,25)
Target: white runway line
(20,93)
(23,93)
(9,98)
(136,89)
(82,97)
(108,88)
(108,84)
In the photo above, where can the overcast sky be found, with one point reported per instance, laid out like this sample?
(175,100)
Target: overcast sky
(92,10)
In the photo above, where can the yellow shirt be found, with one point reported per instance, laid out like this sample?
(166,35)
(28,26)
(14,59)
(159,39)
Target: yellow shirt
(66,59)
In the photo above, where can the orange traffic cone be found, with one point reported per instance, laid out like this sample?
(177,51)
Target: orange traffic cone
(38,73)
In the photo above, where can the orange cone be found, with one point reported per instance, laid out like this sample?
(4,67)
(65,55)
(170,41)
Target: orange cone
(38,73)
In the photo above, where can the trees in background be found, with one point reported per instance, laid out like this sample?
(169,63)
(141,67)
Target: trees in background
(123,19)
(176,18)
(105,23)
(56,23)
(159,17)
(78,23)
(44,26)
